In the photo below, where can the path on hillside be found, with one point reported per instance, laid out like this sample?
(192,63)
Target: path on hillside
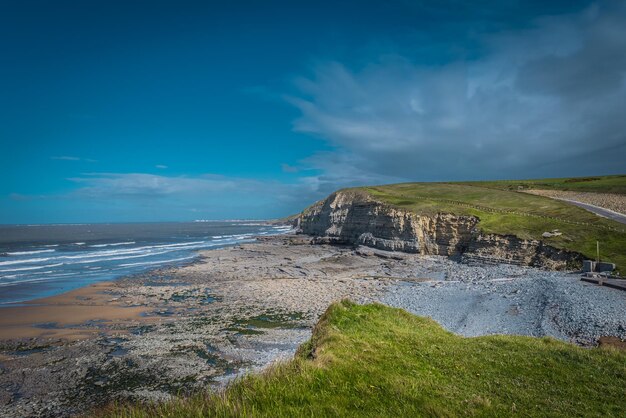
(607,205)
(605,213)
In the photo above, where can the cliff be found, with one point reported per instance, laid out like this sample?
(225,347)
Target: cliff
(354,217)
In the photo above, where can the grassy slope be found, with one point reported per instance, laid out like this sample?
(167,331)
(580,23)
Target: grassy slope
(378,361)
(503,211)
(596,184)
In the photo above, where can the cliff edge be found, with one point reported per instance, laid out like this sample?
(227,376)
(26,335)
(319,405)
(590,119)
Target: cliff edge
(355,217)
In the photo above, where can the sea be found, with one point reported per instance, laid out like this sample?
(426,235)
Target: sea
(43,260)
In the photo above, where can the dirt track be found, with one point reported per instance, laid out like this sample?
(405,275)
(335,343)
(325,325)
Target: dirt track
(612,202)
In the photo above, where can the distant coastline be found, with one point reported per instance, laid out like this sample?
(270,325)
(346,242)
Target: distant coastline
(46,260)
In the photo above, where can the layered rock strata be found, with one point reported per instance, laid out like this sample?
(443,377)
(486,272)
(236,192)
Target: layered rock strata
(353,217)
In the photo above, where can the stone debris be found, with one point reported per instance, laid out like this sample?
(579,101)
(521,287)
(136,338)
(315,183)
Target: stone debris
(554,233)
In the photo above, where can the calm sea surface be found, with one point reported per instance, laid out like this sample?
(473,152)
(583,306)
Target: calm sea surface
(43,260)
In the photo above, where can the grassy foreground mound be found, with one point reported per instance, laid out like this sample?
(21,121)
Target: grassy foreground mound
(374,360)
(507,211)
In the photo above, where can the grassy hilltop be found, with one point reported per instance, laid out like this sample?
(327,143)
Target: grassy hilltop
(596,184)
(378,361)
(502,209)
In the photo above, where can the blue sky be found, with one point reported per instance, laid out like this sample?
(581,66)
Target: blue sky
(154,111)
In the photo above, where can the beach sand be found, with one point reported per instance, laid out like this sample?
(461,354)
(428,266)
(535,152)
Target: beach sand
(65,315)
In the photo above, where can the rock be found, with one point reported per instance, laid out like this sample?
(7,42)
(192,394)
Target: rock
(554,233)
(355,218)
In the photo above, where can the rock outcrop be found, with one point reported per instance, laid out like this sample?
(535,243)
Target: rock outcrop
(353,217)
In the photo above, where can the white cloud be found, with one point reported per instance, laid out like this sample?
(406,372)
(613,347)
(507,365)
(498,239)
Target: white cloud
(65,158)
(70,158)
(212,193)
(544,101)
(289,168)
(151,185)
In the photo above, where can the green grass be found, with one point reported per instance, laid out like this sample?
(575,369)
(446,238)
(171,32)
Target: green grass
(507,212)
(374,360)
(597,184)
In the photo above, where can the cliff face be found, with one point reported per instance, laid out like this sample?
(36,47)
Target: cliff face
(355,218)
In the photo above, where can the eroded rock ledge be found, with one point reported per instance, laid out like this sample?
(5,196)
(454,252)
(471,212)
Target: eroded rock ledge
(355,218)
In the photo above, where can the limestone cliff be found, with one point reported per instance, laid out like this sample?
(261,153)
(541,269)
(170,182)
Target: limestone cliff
(354,217)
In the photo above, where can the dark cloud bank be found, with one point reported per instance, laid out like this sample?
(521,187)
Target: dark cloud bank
(547,100)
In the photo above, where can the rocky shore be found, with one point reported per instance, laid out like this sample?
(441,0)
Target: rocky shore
(354,217)
(235,310)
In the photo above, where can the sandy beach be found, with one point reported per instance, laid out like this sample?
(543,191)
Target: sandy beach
(237,309)
(67,315)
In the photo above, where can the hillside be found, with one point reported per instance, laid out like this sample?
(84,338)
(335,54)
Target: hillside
(374,360)
(508,212)
(596,184)
(500,224)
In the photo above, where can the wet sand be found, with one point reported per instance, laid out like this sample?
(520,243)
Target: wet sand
(64,316)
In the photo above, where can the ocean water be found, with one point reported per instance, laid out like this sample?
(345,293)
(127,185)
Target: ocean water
(43,260)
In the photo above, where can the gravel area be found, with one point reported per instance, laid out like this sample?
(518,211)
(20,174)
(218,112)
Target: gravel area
(480,300)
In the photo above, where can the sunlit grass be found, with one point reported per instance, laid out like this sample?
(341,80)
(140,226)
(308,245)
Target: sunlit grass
(508,212)
(594,184)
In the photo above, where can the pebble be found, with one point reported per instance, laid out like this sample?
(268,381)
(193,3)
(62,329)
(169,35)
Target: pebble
(553,304)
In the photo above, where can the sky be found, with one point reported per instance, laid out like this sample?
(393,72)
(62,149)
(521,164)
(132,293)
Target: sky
(122,111)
